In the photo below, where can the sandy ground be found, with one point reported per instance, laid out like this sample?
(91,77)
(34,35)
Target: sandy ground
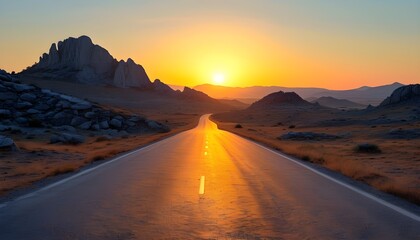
(395,170)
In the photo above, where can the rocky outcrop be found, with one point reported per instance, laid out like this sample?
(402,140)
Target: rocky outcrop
(408,93)
(7,144)
(130,74)
(80,60)
(280,99)
(27,107)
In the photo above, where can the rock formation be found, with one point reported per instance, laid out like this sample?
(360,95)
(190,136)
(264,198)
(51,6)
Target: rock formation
(80,60)
(408,93)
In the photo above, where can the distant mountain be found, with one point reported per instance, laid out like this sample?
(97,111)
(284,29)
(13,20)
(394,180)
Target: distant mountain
(364,95)
(279,99)
(255,92)
(405,94)
(337,103)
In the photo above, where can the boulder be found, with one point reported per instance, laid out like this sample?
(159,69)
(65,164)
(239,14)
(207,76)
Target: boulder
(28,97)
(77,121)
(85,125)
(33,111)
(90,115)
(63,104)
(22,105)
(67,138)
(7,144)
(61,118)
(5,113)
(115,123)
(104,125)
(42,107)
(22,120)
(95,127)
(22,87)
(81,106)
(8,96)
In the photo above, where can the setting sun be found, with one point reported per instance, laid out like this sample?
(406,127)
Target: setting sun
(218,78)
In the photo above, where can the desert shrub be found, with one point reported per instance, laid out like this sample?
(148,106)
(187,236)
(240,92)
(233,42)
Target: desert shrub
(367,148)
(98,158)
(238,126)
(292,126)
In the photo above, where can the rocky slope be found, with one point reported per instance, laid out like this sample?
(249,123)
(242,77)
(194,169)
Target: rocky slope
(405,94)
(80,60)
(31,110)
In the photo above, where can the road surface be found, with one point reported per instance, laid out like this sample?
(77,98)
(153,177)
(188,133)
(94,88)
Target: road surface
(202,184)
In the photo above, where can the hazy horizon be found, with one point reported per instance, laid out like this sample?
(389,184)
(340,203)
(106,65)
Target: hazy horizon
(235,43)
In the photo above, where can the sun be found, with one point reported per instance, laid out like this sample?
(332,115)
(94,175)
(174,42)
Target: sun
(218,78)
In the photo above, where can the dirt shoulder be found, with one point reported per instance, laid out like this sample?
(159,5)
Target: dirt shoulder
(395,169)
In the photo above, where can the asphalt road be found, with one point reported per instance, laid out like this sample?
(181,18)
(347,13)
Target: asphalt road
(203,184)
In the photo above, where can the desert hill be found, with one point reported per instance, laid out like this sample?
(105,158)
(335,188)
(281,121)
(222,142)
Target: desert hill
(279,99)
(337,103)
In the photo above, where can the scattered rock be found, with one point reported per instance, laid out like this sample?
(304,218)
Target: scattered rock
(302,136)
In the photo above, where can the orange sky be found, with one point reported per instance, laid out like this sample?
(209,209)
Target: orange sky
(249,42)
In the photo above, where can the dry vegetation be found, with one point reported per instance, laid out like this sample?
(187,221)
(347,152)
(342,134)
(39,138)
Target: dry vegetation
(394,167)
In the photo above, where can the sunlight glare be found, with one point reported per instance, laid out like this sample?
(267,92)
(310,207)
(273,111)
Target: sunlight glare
(218,78)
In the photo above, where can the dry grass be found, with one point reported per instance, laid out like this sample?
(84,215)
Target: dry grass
(395,170)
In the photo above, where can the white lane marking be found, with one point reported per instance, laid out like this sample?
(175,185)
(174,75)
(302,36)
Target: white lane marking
(207,146)
(359,191)
(84,172)
(205,153)
(202,182)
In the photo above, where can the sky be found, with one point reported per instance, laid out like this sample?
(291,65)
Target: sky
(296,43)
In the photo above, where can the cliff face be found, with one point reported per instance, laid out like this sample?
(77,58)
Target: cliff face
(80,60)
